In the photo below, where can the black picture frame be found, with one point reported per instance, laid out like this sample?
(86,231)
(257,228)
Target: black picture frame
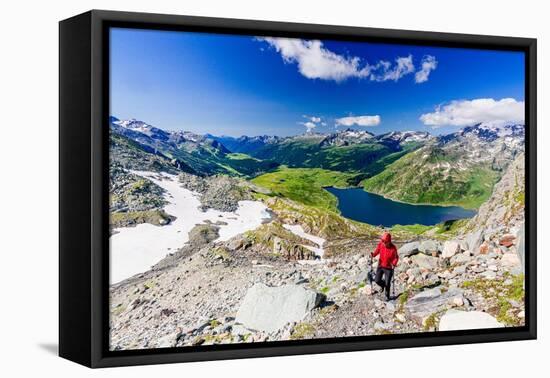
(83,181)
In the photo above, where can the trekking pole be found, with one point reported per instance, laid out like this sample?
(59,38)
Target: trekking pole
(393,284)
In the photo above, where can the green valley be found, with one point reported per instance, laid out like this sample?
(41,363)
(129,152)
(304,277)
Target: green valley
(368,158)
(305,185)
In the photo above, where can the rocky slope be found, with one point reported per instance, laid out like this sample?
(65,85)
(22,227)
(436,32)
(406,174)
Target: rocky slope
(233,291)
(199,298)
(303,272)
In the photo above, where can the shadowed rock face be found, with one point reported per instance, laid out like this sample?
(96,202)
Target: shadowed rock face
(269,309)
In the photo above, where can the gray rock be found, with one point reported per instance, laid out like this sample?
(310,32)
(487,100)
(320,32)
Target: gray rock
(454,320)
(425,262)
(459,270)
(429,247)
(409,249)
(450,248)
(474,240)
(430,301)
(461,258)
(269,309)
(236,243)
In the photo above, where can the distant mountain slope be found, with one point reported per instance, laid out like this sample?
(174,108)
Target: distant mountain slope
(130,154)
(245,144)
(195,153)
(352,151)
(459,168)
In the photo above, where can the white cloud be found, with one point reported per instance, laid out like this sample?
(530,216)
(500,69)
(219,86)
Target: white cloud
(383,70)
(309,125)
(429,63)
(470,112)
(366,120)
(312,122)
(315,61)
(312,118)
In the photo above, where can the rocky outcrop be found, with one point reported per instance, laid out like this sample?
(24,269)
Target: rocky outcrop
(291,251)
(429,247)
(505,208)
(131,193)
(135,200)
(425,262)
(269,309)
(450,248)
(409,249)
(217,192)
(431,301)
(455,320)
(474,240)
(275,240)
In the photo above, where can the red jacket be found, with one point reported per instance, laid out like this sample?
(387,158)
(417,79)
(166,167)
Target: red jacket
(388,254)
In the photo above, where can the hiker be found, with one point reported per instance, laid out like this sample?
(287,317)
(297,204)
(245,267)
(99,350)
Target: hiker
(387,262)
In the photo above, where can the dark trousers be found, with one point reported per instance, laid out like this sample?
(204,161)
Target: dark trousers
(385,282)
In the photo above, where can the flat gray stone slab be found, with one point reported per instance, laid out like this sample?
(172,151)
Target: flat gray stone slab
(269,309)
(454,320)
(431,301)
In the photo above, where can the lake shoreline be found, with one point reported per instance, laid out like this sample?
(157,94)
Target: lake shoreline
(397,200)
(357,204)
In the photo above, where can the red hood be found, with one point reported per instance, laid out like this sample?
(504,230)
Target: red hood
(386,237)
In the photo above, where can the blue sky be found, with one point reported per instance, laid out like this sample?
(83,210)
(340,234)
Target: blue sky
(242,85)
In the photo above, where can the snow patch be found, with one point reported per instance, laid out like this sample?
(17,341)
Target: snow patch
(134,250)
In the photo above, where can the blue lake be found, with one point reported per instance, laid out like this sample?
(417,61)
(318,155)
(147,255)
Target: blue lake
(362,206)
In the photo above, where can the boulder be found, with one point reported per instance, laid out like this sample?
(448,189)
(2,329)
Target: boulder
(461,258)
(409,249)
(425,262)
(238,242)
(483,248)
(454,320)
(474,240)
(507,240)
(450,248)
(269,309)
(291,251)
(431,301)
(429,247)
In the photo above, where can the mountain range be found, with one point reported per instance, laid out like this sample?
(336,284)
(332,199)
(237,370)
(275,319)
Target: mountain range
(411,166)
